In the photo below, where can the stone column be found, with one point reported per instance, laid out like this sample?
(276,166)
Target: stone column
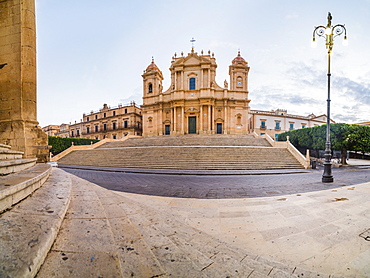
(226,118)
(209,116)
(201,119)
(160,120)
(18,116)
(182,120)
(175,120)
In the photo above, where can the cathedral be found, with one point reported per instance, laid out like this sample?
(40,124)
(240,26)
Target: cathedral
(194,103)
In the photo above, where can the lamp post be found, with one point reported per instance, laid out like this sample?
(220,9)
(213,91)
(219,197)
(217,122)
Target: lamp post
(329,33)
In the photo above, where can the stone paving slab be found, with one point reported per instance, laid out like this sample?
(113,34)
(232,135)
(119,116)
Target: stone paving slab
(140,241)
(322,236)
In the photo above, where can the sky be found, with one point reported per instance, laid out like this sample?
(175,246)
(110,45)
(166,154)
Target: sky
(92,52)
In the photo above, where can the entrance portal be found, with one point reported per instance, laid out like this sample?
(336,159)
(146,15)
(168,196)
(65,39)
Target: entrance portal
(192,125)
(167,130)
(219,128)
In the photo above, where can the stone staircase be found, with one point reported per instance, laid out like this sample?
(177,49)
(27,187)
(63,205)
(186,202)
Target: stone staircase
(32,208)
(19,177)
(224,152)
(190,140)
(107,235)
(11,161)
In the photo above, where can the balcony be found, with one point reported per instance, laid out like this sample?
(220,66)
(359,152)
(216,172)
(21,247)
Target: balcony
(135,127)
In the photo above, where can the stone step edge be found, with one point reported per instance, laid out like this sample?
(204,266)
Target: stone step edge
(3,146)
(11,166)
(29,230)
(8,151)
(16,187)
(185,172)
(14,162)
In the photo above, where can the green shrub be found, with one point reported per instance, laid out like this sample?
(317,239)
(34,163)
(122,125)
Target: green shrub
(59,144)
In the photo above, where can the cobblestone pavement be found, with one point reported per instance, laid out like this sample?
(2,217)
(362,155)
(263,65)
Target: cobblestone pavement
(222,186)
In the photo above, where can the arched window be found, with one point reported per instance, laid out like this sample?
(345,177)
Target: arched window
(150,88)
(192,83)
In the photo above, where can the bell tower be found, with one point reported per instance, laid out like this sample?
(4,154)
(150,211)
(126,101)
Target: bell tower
(152,79)
(238,71)
(18,124)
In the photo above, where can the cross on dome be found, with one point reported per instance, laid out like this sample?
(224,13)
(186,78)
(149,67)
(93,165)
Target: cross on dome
(192,44)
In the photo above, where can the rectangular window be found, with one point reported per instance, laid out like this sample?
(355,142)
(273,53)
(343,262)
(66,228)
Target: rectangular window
(192,84)
(276,137)
(87,119)
(105,114)
(291,126)
(114,125)
(78,132)
(125,110)
(96,117)
(277,125)
(303,125)
(125,124)
(72,133)
(263,124)
(114,113)
(88,129)
(262,133)
(105,127)
(96,128)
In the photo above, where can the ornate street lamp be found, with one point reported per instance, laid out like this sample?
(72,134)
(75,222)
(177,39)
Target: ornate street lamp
(329,33)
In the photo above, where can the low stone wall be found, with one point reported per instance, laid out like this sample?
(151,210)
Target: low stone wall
(305,161)
(83,147)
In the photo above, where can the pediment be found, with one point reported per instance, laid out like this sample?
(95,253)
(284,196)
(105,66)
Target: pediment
(192,61)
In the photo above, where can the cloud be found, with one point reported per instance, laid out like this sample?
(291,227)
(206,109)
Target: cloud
(345,118)
(217,43)
(135,96)
(291,16)
(358,91)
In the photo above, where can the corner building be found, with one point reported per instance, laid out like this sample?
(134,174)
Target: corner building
(195,103)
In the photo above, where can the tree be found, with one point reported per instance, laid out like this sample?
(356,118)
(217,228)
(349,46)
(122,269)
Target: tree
(343,137)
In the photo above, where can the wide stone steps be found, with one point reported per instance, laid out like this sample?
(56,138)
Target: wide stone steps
(7,153)
(17,186)
(11,161)
(29,228)
(191,140)
(187,158)
(105,234)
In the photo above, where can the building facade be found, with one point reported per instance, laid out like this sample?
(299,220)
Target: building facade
(194,103)
(107,122)
(63,131)
(278,121)
(51,130)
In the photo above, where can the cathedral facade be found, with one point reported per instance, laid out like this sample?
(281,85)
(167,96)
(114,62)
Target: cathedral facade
(194,103)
